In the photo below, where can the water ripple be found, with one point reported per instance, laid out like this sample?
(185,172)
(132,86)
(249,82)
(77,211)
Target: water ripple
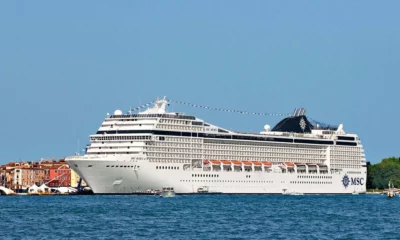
(200,217)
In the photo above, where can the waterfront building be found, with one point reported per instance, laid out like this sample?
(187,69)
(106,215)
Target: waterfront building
(60,176)
(75,179)
(21,175)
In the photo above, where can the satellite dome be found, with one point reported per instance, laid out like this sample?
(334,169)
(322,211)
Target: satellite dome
(267,128)
(118,112)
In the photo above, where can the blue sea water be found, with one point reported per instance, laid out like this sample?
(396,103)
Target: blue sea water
(200,217)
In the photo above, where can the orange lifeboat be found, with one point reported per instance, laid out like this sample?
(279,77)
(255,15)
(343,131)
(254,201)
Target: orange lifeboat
(267,164)
(236,162)
(205,162)
(257,163)
(226,162)
(247,163)
(215,162)
(289,164)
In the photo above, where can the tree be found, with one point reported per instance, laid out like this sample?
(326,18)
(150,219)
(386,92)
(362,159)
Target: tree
(379,175)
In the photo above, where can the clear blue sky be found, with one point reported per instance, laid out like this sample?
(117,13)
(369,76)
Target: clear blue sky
(64,65)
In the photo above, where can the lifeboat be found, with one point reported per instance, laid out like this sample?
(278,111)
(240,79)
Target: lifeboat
(322,166)
(247,163)
(215,162)
(226,162)
(289,164)
(257,163)
(236,162)
(267,164)
(312,165)
(205,162)
(300,165)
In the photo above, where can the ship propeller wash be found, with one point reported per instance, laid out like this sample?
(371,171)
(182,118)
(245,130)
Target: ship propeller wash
(142,152)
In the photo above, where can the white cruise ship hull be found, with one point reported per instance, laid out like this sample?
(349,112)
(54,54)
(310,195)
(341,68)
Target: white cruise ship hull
(142,153)
(133,177)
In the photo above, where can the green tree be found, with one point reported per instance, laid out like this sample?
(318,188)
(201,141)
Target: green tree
(379,175)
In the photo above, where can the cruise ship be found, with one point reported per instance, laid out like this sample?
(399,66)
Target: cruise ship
(143,152)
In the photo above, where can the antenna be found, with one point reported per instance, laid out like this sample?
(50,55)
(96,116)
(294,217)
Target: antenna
(77,147)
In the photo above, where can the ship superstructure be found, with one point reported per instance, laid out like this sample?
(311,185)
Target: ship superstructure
(138,153)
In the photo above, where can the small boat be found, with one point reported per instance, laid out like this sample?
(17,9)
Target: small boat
(206,191)
(390,192)
(354,192)
(167,192)
(293,193)
(203,189)
(296,193)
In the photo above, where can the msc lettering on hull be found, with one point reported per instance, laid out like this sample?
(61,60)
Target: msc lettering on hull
(352,181)
(357,181)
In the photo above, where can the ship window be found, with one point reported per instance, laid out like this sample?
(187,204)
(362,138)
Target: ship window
(108,166)
(112,165)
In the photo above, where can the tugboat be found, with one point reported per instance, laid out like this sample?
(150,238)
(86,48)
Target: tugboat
(167,192)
